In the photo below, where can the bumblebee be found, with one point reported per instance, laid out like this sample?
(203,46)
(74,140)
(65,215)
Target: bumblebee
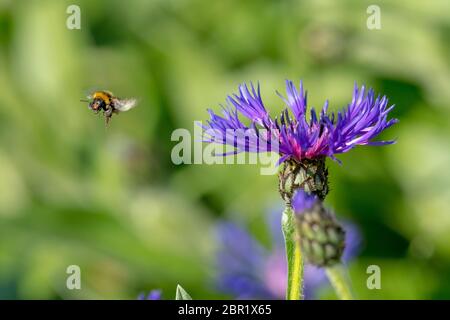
(105,101)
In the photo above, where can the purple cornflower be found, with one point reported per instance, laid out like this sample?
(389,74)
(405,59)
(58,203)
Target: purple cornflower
(153,295)
(293,136)
(248,270)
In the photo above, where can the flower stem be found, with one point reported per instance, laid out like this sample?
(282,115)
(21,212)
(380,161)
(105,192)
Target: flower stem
(294,289)
(340,281)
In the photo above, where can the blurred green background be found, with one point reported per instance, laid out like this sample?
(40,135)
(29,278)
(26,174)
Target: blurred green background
(111,201)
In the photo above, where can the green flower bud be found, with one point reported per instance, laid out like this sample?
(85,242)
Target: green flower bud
(321,237)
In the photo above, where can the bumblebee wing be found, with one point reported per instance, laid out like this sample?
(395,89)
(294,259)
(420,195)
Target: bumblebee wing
(124,104)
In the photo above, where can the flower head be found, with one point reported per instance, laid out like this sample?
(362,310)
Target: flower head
(293,135)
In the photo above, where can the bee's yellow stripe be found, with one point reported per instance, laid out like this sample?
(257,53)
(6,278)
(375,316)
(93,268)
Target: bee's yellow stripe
(102,95)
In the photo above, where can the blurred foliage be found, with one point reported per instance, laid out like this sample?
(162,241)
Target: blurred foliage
(111,201)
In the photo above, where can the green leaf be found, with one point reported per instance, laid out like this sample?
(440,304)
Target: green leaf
(182,294)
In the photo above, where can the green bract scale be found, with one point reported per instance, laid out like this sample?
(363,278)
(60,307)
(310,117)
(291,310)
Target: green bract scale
(308,175)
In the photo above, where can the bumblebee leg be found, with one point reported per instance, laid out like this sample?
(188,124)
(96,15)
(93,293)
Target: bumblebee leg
(108,114)
(107,119)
